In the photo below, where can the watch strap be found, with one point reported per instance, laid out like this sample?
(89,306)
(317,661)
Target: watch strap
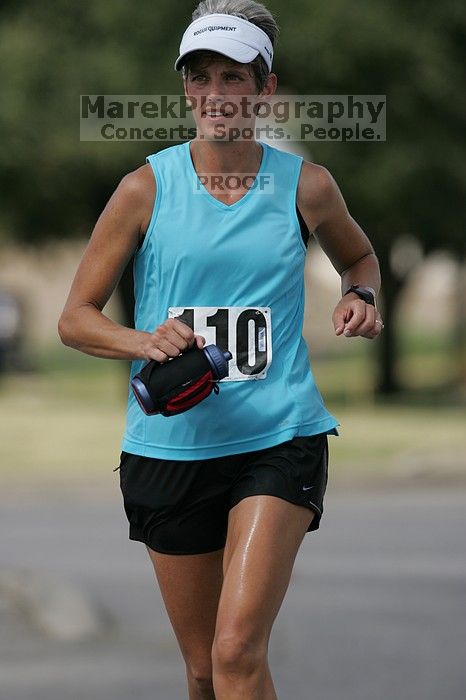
(367,294)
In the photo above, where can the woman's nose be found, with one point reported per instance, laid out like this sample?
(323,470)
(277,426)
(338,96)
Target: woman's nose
(216,86)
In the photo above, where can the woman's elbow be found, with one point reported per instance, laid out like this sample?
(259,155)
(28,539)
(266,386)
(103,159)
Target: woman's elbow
(65,330)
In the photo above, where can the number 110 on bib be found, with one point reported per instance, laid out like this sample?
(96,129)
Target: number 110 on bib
(246,331)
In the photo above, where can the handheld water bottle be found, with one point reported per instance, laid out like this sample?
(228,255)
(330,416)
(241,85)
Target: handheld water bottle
(182,382)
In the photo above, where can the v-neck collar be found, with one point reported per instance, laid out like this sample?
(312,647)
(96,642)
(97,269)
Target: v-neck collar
(210,197)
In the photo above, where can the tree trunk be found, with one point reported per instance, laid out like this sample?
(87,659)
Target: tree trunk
(459,332)
(387,346)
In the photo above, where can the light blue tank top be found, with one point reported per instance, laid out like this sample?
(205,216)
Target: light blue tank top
(235,273)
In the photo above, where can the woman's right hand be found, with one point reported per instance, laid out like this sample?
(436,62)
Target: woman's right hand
(170,339)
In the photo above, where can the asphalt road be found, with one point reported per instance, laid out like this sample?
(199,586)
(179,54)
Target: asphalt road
(376,607)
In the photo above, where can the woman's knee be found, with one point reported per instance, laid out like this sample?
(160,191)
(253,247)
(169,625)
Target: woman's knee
(238,653)
(199,674)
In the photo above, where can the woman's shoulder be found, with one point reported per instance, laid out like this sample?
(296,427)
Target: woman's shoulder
(138,186)
(317,192)
(315,181)
(138,189)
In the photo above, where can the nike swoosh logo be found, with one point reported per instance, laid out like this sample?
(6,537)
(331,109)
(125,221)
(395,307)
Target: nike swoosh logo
(306,488)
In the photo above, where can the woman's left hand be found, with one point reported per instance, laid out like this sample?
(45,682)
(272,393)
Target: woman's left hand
(353,317)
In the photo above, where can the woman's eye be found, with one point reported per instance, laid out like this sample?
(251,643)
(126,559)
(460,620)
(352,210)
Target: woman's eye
(229,76)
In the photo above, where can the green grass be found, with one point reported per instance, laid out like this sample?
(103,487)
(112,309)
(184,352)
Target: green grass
(67,418)
(396,441)
(61,423)
(427,368)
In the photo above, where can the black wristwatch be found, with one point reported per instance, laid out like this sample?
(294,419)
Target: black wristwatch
(367,294)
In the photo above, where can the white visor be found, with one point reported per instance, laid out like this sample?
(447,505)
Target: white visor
(226,34)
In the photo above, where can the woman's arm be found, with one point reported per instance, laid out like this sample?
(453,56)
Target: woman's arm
(116,235)
(346,245)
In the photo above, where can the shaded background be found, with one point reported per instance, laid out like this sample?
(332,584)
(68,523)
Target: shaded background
(400,399)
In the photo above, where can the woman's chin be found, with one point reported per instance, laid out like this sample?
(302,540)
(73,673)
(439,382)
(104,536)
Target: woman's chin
(213,130)
(215,133)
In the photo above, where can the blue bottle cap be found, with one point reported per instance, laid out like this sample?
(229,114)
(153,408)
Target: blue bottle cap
(218,360)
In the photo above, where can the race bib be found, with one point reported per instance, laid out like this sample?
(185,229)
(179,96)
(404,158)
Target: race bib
(243,330)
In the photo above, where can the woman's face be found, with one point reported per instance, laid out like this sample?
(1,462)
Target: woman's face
(223,95)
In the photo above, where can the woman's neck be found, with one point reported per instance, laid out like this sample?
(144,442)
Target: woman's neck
(226,156)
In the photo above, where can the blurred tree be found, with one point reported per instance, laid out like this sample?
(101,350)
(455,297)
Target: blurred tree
(54,185)
(415,182)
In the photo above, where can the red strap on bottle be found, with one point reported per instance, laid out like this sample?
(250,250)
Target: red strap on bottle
(193,394)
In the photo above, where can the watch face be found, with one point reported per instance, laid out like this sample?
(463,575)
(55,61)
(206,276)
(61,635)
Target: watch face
(366,295)
(370,290)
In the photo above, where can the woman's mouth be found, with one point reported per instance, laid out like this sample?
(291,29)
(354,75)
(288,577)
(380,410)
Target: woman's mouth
(215,115)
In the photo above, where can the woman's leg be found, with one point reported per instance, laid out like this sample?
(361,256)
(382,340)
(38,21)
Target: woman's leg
(264,535)
(190,586)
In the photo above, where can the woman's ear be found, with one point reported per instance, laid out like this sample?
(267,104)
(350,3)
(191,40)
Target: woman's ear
(269,89)
(271,84)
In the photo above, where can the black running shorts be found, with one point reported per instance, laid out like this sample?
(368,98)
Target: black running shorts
(181,506)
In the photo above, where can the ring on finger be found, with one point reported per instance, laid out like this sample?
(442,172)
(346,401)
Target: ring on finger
(381,324)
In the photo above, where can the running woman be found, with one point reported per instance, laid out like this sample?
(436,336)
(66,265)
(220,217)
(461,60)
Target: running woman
(223,494)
